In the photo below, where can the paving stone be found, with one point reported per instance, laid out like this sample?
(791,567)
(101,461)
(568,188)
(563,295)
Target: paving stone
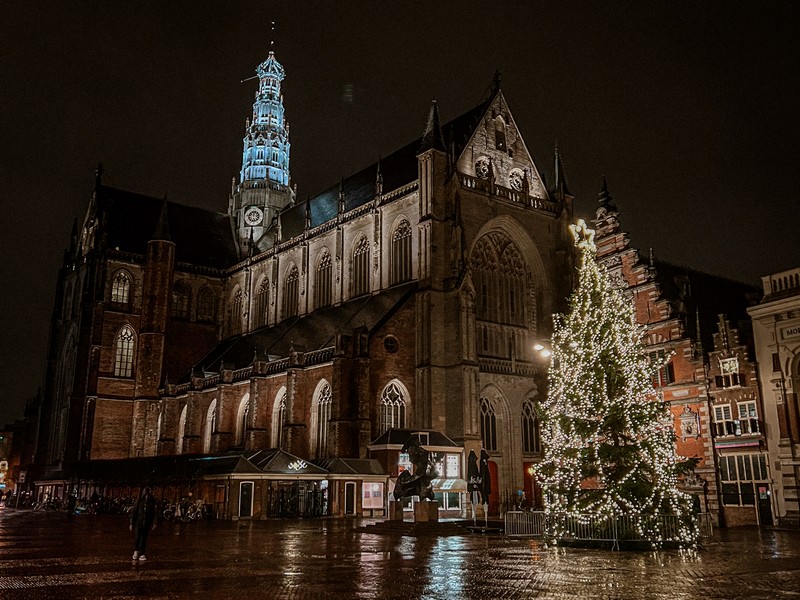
(43,555)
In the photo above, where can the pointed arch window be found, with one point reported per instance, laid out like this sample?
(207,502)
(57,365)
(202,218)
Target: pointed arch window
(291,293)
(206,304)
(393,407)
(323,286)
(181,430)
(488,425)
(530,429)
(278,416)
(181,299)
(262,304)
(121,288)
(322,416)
(123,352)
(241,421)
(211,426)
(401,253)
(360,282)
(235,325)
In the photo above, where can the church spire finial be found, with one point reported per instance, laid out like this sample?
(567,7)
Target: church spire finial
(433,139)
(560,176)
(272,38)
(605,200)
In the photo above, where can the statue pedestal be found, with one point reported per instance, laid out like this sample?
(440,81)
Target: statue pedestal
(395,511)
(426,511)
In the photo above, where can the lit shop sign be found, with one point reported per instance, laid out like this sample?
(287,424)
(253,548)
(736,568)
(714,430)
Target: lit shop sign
(298,465)
(791,332)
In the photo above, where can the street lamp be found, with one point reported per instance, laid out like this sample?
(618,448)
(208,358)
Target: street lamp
(541,350)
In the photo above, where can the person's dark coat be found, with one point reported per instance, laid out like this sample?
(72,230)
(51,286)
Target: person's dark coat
(486,477)
(143,514)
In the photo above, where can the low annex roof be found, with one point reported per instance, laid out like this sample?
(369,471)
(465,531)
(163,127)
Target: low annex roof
(314,331)
(398,437)
(346,466)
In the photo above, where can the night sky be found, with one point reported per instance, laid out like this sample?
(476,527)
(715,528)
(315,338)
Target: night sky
(689,108)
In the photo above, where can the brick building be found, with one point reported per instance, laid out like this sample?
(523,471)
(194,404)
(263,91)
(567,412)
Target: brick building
(738,429)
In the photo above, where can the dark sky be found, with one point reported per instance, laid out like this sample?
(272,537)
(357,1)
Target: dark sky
(689,108)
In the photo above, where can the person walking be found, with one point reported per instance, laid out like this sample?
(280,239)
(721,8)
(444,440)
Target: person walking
(143,520)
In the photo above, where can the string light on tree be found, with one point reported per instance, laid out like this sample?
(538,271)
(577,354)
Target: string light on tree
(609,447)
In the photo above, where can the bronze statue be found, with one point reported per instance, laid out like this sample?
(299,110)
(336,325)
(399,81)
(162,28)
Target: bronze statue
(418,484)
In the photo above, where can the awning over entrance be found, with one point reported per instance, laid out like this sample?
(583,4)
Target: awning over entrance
(449,485)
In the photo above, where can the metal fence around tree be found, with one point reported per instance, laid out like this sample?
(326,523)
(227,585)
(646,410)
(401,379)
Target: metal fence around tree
(596,528)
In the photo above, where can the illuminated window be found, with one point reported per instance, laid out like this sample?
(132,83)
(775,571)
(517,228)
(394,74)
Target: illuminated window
(665,374)
(488,425)
(278,417)
(291,294)
(322,285)
(206,304)
(241,426)
(123,352)
(181,430)
(739,474)
(530,429)
(723,420)
(393,408)
(262,304)
(401,253)
(211,426)
(322,417)
(748,418)
(181,295)
(121,288)
(360,282)
(729,373)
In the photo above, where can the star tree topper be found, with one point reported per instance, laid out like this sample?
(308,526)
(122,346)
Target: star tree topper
(584,237)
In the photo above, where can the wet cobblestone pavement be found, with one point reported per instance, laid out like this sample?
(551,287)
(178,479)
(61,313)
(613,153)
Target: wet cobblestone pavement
(43,555)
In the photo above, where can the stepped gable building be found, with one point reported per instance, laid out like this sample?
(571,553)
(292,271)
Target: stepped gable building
(407,296)
(776,328)
(678,307)
(740,446)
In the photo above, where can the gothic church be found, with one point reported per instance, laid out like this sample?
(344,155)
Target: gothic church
(409,295)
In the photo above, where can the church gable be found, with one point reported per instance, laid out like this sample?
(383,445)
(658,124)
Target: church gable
(497,151)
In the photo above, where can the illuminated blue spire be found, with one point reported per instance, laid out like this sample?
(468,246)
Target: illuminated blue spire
(265,159)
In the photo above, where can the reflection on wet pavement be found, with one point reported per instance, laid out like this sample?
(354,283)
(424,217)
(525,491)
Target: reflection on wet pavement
(45,556)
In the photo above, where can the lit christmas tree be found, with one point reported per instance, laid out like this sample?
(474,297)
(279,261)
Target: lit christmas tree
(609,447)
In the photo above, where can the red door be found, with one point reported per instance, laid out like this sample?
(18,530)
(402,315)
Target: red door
(494,498)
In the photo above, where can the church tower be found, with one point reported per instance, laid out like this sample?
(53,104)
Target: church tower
(263,188)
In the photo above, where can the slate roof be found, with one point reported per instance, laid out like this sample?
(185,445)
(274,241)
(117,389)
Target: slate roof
(398,437)
(347,466)
(314,331)
(711,294)
(275,460)
(397,169)
(202,237)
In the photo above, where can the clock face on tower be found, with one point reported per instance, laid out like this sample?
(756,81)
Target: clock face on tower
(253,216)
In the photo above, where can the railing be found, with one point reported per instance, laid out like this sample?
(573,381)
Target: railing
(583,527)
(316,357)
(781,282)
(525,524)
(484,185)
